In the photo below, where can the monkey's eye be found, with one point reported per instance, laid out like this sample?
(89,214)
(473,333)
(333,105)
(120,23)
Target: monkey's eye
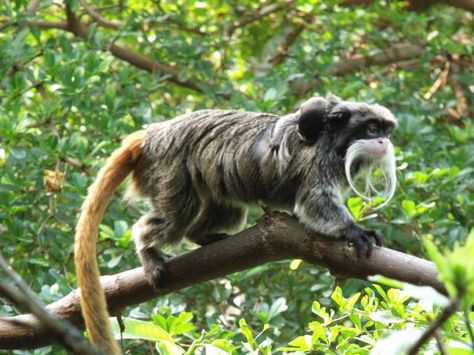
(372,130)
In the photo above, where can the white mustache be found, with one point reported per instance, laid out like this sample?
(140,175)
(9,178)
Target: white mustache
(374,157)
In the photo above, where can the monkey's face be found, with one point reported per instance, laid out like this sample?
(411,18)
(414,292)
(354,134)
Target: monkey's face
(371,153)
(360,135)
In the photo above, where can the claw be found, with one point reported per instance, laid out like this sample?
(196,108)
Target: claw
(377,237)
(361,240)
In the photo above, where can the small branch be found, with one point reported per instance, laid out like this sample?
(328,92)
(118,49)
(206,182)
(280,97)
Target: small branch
(396,53)
(74,26)
(277,237)
(439,83)
(462,4)
(461,99)
(39,124)
(33,6)
(262,11)
(400,52)
(418,5)
(290,37)
(46,25)
(437,323)
(467,321)
(77,164)
(98,18)
(27,301)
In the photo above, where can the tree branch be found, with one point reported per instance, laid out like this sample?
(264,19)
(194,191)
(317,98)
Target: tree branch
(417,5)
(76,27)
(438,322)
(28,301)
(396,53)
(265,9)
(291,35)
(33,6)
(275,237)
(399,52)
(98,18)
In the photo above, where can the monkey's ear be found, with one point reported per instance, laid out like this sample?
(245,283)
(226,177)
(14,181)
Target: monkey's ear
(312,118)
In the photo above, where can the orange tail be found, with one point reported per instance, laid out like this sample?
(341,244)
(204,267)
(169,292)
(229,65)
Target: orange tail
(94,308)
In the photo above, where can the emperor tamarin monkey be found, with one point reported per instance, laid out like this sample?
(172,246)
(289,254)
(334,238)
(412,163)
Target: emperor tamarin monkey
(199,172)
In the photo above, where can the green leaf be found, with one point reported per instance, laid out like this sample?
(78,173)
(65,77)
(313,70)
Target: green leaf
(169,348)
(138,329)
(247,332)
(277,307)
(408,207)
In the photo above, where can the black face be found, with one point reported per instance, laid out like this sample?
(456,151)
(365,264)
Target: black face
(371,128)
(317,118)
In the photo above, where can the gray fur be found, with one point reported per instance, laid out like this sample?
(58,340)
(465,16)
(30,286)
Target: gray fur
(201,170)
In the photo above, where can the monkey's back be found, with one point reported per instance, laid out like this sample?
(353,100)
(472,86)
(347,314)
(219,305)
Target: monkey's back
(214,153)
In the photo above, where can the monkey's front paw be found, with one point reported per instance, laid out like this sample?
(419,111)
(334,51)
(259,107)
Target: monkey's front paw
(362,240)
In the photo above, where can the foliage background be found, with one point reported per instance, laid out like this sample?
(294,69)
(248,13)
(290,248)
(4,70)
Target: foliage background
(75,78)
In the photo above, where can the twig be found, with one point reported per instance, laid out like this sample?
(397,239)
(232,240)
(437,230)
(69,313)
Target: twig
(77,164)
(33,6)
(438,322)
(289,38)
(98,18)
(466,312)
(38,124)
(49,25)
(265,9)
(461,99)
(439,339)
(396,53)
(439,83)
(28,301)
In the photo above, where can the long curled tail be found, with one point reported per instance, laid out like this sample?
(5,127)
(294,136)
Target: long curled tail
(94,308)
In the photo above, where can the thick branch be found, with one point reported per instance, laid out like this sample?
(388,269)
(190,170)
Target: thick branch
(463,4)
(274,238)
(28,301)
(75,26)
(421,5)
(397,53)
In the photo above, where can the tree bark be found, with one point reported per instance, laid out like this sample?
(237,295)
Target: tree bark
(397,53)
(276,237)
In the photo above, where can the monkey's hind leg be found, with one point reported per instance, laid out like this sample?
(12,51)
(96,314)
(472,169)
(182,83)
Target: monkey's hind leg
(214,222)
(150,233)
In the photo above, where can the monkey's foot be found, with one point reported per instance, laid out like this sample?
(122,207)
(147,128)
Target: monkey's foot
(156,271)
(362,239)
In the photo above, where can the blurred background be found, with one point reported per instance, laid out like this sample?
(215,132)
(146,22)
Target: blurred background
(78,76)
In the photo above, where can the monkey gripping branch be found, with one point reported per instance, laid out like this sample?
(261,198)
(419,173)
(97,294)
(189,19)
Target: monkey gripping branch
(275,237)
(199,171)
